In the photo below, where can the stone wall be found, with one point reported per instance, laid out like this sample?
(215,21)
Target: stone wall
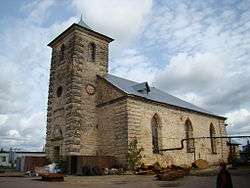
(172,130)
(112,130)
(86,72)
(107,92)
(58,107)
(73,115)
(112,121)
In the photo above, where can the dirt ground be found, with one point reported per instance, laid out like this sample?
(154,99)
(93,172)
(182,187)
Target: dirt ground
(240,177)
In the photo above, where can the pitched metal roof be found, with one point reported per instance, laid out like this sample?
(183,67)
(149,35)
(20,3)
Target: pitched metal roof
(142,87)
(233,142)
(154,94)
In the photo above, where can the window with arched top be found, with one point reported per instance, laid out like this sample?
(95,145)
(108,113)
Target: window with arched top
(62,52)
(189,136)
(92,52)
(155,133)
(212,139)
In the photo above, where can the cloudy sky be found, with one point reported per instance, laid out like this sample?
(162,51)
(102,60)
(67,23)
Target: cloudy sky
(196,50)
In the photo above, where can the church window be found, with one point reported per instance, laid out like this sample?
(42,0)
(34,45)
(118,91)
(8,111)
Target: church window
(189,136)
(62,52)
(59,91)
(92,52)
(212,139)
(155,133)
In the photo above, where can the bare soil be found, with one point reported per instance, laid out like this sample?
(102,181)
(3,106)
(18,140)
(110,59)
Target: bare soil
(240,177)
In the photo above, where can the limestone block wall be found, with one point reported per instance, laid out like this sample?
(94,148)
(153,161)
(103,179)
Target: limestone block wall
(75,111)
(85,73)
(107,92)
(172,127)
(112,130)
(58,107)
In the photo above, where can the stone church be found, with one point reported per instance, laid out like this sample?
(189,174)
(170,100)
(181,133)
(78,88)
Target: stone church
(93,113)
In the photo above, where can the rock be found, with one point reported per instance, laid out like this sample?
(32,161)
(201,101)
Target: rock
(201,164)
(170,175)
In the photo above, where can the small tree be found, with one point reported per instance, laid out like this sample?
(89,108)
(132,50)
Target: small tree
(134,155)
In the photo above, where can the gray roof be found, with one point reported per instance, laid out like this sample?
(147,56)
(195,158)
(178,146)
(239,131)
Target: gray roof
(234,142)
(154,94)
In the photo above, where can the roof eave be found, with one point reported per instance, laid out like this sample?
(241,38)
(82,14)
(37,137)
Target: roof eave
(59,36)
(108,39)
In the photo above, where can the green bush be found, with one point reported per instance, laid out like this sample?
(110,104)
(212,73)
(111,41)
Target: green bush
(134,155)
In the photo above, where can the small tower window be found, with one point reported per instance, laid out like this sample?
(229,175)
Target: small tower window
(62,52)
(92,52)
(59,91)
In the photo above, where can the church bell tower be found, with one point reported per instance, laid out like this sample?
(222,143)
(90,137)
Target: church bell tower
(79,54)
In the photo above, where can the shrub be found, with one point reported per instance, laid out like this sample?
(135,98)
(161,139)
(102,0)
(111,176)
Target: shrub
(134,155)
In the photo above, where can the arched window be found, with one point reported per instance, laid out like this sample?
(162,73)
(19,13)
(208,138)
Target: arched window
(92,52)
(155,133)
(62,52)
(189,134)
(212,139)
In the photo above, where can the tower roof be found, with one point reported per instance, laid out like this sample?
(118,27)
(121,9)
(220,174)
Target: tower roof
(83,24)
(84,27)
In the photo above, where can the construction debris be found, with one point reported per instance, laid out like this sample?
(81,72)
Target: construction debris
(53,177)
(173,173)
(170,175)
(51,172)
(145,172)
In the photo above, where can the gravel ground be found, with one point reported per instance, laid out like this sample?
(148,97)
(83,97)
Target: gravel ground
(240,177)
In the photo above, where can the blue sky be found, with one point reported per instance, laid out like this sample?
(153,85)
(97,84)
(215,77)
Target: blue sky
(196,50)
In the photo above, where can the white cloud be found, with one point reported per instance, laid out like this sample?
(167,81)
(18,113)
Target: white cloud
(38,10)
(24,65)
(205,50)
(13,134)
(192,72)
(121,20)
(133,65)
(3,119)
(238,122)
(26,133)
